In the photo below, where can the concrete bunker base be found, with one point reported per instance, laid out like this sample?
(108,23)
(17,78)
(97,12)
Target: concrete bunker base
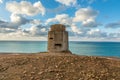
(60,52)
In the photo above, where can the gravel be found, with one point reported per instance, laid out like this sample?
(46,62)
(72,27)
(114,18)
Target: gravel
(45,66)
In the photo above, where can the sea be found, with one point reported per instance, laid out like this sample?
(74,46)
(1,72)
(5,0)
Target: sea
(111,49)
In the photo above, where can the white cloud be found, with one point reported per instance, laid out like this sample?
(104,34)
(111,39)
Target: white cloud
(92,31)
(33,30)
(1,1)
(26,8)
(36,22)
(96,33)
(75,29)
(18,33)
(114,35)
(90,23)
(4,24)
(67,2)
(60,18)
(37,30)
(14,34)
(14,27)
(6,30)
(84,33)
(86,16)
(58,9)
(83,17)
(18,19)
(43,30)
(16,22)
(7,33)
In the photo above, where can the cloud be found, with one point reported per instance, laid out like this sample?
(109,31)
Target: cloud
(75,29)
(36,22)
(33,31)
(1,22)
(90,23)
(86,16)
(59,9)
(1,1)
(14,27)
(17,20)
(6,30)
(26,8)
(17,34)
(4,24)
(60,18)
(96,33)
(88,33)
(114,35)
(113,25)
(67,2)
(83,17)
(37,30)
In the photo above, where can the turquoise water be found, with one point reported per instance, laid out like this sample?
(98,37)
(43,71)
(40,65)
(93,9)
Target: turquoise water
(80,48)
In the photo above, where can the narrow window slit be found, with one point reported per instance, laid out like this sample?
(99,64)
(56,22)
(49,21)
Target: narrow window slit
(58,45)
(50,38)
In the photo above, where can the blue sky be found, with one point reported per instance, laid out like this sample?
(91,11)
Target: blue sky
(86,20)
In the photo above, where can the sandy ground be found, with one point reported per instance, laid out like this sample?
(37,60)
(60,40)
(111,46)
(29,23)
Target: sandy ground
(45,66)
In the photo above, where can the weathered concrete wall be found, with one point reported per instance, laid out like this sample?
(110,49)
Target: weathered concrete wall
(57,39)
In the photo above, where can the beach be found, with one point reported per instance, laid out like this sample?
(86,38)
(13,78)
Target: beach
(60,66)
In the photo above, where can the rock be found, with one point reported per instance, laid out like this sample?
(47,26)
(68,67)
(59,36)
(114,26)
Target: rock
(24,72)
(40,73)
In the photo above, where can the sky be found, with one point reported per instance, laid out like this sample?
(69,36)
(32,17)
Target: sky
(85,20)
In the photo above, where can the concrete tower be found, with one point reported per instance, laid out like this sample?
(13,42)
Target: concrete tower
(57,39)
